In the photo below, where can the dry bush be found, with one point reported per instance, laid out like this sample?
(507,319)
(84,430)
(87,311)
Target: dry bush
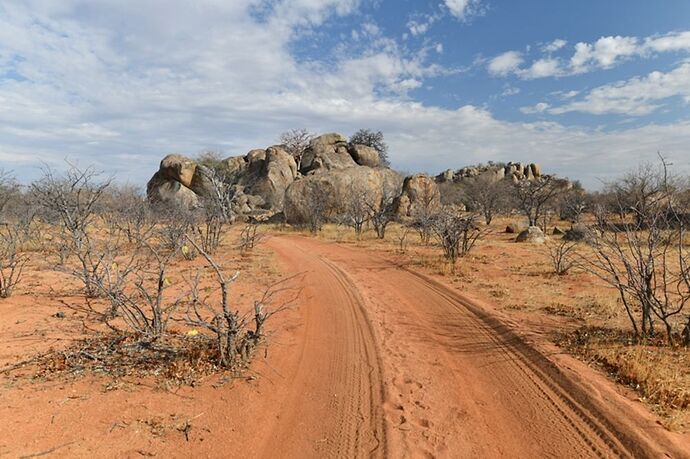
(12,260)
(645,259)
(561,255)
(234,337)
(72,201)
(250,237)
(456,233)
(535,197)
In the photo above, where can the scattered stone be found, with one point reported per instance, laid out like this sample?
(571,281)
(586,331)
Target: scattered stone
(578,232)
(533,235)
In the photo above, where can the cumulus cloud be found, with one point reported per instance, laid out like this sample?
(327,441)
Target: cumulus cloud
(554,45)
(118,84)
(505,63)
(637,96)
(542,68)
(604,53)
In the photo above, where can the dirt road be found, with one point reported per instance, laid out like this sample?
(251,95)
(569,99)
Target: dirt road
(395,364)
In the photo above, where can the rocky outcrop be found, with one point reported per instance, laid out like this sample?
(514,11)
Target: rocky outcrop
(162,190)
(497,171)
(364,155)
(329,192)
(418,192)
(326,152)
(260,179)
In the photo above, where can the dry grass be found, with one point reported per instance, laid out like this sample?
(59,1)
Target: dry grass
(660,374)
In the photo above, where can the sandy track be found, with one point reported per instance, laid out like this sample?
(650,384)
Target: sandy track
(396,364)
(333,407)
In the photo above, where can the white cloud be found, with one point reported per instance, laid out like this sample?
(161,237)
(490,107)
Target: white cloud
(604,53)
(637,96)
(120,84)
(505,63)
(463,9)
(439,48)
(509,90)
(671,42)
(538,108)
(542,68)
(554,45)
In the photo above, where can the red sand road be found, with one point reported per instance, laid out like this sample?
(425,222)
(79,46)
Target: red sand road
(374,360)
(398,365)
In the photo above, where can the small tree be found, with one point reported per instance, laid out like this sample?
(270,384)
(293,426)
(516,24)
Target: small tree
(561,254)
(381,214)
(217,208)
(533,197)
(646,259)
(357,208)
(12,260)
(73,200)
(296,142)
(374,140)
(456,233)
(317,209)
(486,195)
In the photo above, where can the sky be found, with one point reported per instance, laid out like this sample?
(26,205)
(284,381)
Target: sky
(587,89)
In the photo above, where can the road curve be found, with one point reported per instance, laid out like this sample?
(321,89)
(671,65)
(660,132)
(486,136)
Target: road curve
(395,364)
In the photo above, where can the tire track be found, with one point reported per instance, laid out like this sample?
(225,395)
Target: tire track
(333,407)
(425,372)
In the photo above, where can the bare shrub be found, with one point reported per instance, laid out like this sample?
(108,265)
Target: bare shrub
(456,233)
(296,142)
(645,259)
(135,285)
(12,260)
(73,200)
(235,339)
(249,237)
(486,195)
(561,255)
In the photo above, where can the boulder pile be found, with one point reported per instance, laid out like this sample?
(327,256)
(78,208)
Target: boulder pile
(265,182)
(498,171)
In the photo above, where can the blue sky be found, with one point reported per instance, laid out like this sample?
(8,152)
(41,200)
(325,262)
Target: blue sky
(586,88)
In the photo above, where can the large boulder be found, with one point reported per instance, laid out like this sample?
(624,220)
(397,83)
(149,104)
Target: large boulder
(418,192)
(533,234)
(325,153)
(515,228)
(365,155)
(179,168)
(162,190)
(332,190)
(278,171)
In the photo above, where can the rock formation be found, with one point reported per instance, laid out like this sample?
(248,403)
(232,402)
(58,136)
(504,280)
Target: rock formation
(513,171)
(267,181)
(418,192)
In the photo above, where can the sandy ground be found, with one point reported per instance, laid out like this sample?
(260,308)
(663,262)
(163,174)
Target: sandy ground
(374,360)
